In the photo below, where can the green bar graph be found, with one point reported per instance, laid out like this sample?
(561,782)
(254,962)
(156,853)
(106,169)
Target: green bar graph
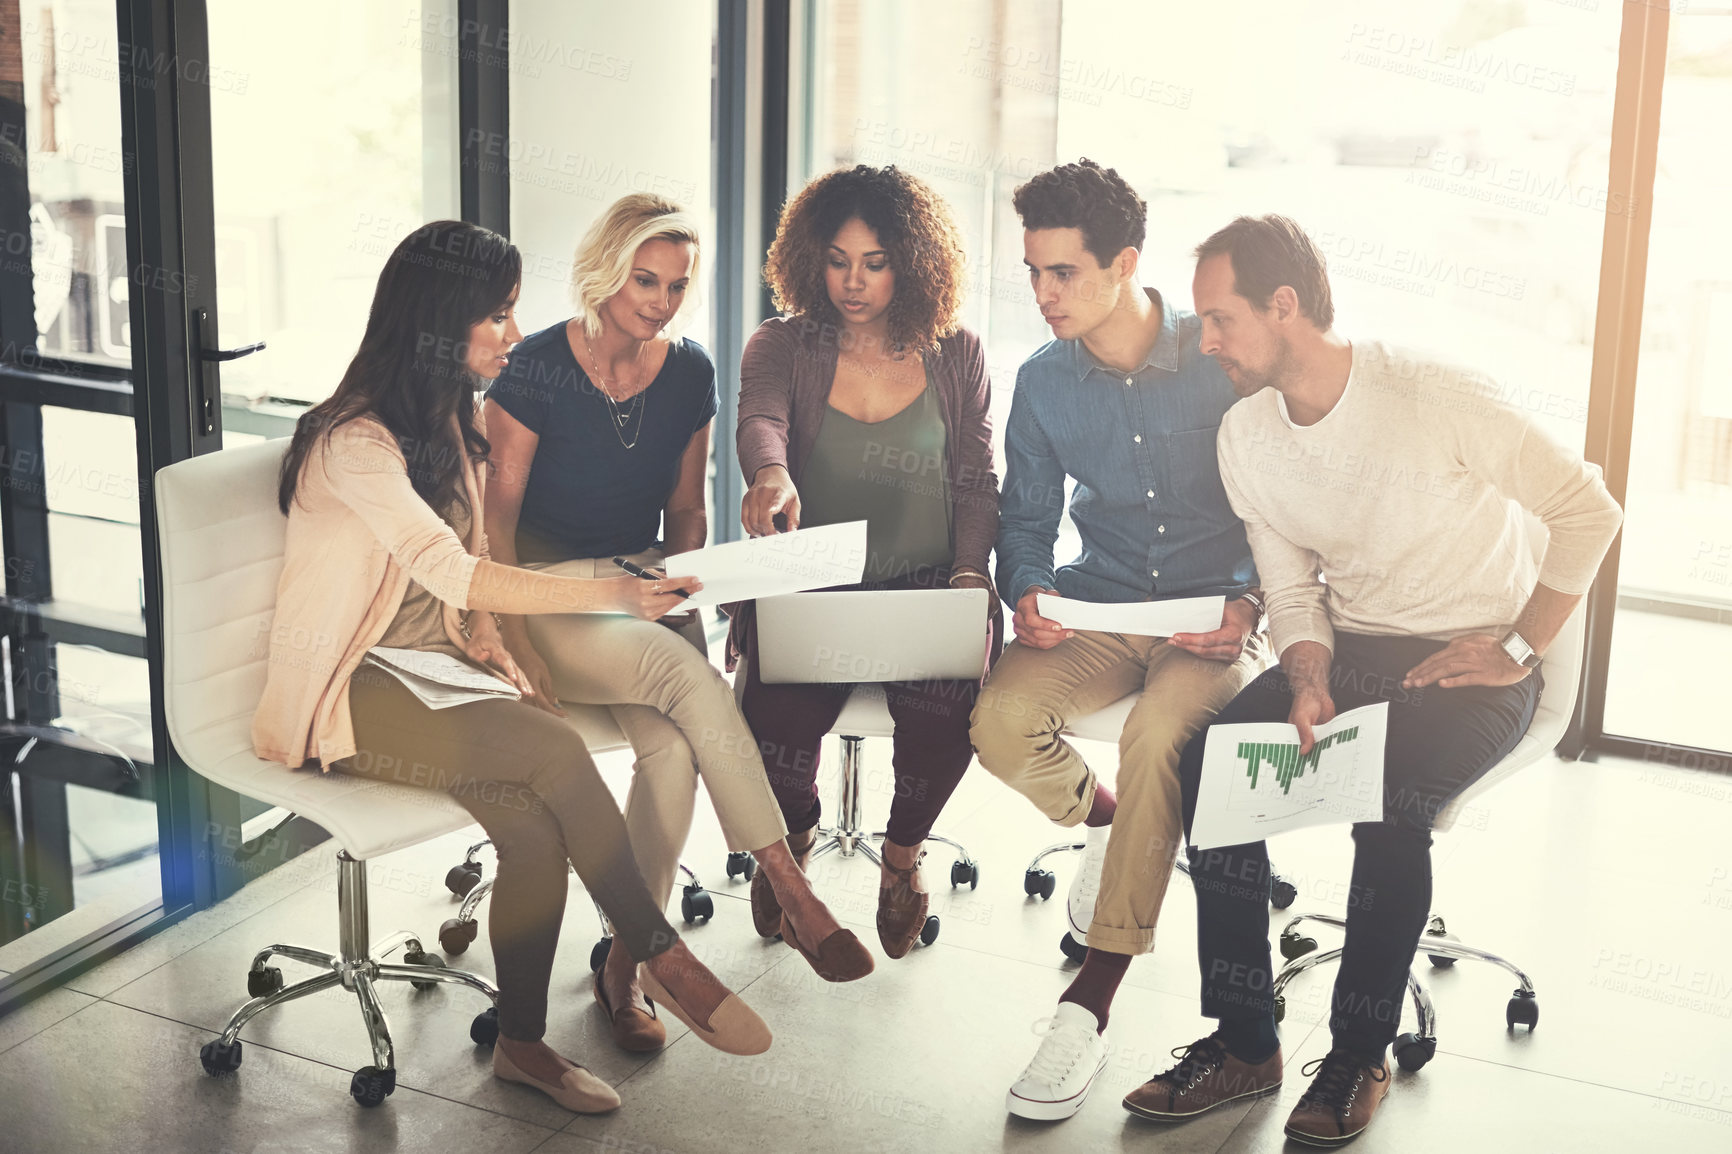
(1285,759)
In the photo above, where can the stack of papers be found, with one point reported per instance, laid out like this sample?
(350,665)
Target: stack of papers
(439,679)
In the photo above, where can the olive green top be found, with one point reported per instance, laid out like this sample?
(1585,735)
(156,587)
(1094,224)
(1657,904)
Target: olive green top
(420,620)
(890,474)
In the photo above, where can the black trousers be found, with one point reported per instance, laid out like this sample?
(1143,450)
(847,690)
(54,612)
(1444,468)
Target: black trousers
(1440,741)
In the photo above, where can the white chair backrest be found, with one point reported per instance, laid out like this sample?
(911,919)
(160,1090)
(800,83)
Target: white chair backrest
(222,552)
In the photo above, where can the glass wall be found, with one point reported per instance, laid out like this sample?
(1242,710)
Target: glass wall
(1449,158)
(1675,575)
(333,134)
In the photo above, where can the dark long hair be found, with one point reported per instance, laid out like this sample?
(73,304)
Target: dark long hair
(410,373)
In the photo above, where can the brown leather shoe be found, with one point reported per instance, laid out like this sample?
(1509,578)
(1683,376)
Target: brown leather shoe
(901,908)
(632,1029)
(839,958)
(1339,1105)
(766,910)
(1206,1076)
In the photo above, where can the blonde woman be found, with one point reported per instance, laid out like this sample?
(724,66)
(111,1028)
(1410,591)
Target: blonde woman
(600,430)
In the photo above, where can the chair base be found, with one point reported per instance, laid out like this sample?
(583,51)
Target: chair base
(465,880)
(1412,1050)
(848,837)
(359,967)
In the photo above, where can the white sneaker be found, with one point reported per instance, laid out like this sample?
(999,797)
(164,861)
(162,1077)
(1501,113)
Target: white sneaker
(1070,1058)
(1086,885)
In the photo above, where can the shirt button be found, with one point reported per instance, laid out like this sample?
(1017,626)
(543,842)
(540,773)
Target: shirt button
(1138,438)
(1155,573)
(1151,492)
(1128,381)
(1160,528)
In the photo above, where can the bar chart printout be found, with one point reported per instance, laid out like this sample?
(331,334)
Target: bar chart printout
(1257,783)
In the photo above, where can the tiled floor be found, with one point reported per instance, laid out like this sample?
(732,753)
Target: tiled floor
(1609,883)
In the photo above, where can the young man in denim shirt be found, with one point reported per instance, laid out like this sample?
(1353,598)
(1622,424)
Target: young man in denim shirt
(1123,402)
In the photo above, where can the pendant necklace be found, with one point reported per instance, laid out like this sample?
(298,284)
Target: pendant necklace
(620,417)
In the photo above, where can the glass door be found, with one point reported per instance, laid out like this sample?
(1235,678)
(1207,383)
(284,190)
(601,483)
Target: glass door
(1665,685)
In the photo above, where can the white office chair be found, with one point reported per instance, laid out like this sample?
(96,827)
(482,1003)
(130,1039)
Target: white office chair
(1562,672)
(222,552)
(1107,725)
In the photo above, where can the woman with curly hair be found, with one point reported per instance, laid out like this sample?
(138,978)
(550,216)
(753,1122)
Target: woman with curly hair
(869,401)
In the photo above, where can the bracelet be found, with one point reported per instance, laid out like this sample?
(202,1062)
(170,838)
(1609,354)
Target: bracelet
(968,571)
(1256,601)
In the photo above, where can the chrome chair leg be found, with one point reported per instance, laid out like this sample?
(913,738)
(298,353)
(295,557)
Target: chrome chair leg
(355,967)
(312,985)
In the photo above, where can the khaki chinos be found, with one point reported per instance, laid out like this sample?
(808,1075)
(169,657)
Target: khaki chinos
(1033,693)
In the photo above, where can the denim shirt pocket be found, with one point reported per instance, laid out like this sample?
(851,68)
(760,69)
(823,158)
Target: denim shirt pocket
(1193,475)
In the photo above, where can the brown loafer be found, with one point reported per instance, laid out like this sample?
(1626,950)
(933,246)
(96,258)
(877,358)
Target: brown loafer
(901,909)
(1206,1076)
(632,1029)
(839,958)
(766,909)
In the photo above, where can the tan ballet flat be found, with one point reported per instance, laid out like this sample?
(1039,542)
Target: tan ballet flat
(632,1028)
(840,957)
(579,1090)
(734,1028)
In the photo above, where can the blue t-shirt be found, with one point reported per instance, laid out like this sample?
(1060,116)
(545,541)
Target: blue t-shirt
(587,494)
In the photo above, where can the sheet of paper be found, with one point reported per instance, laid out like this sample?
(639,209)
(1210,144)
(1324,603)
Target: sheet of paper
(439,679)
(1256,783)
(1145,618)
(771,566)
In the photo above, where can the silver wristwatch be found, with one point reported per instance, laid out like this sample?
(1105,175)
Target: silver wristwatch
(1519,650)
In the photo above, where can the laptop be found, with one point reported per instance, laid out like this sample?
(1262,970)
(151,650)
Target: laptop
(872,635)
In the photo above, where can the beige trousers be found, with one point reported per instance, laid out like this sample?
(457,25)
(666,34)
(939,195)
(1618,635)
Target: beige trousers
(1033,693)
(679,714)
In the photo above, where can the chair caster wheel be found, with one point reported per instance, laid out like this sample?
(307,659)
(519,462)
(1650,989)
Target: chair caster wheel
(965,871)
(371,1085)
(695,903)
(418,958)
(1414,1050)
(1039,883)
(456,935)
(1071,948)
(462,878)
(218,1059)
(1282,893)
(1523,1010)
(1434,928)
(741,865)
(1280,1007)
(598,954)
(929,931)
(1296,945)
(263,981)
(484,1030)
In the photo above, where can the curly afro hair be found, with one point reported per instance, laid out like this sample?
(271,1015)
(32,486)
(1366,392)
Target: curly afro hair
(912,223)
(1085,196)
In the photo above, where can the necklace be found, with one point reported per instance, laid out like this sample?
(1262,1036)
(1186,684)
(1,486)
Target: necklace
(635,405)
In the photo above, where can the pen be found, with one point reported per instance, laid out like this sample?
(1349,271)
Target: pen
(640,571)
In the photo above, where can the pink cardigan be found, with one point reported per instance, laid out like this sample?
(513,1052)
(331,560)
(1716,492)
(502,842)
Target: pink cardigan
(358,532)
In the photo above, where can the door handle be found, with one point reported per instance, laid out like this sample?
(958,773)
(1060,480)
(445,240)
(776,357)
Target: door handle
(209,392)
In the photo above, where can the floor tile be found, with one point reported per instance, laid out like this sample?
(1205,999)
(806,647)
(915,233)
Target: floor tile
(38,1014)
(114,1079)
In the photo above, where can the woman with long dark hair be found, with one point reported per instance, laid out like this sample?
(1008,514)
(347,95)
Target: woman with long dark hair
(383,485)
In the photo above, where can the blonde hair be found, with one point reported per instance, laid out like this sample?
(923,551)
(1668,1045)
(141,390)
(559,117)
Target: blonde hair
(603,261)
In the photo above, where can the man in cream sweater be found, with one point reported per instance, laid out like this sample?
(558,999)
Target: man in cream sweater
(1383,496)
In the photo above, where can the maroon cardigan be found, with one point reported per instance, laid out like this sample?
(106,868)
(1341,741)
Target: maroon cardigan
(785,377)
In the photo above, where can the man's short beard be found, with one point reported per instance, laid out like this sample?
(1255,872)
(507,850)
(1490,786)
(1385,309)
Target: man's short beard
(1251,383)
